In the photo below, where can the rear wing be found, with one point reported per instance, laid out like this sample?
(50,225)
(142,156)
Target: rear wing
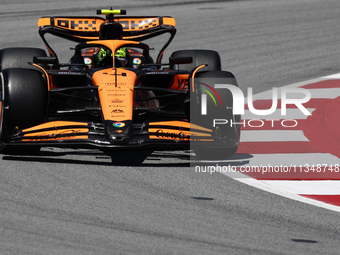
(83,29)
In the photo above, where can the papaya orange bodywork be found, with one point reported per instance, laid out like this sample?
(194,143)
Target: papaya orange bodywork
(133,24)
(60,128)
(181,82)
(92,24)
(116,95)
(169,21)
(193,76)
(44,22)
(48,78)
(176,133)
(179,124)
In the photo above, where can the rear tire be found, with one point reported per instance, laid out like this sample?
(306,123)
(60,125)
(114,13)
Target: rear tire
(18,57)
(23,104)
(199,57)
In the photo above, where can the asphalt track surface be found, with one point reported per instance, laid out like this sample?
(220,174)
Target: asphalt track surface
(78,202)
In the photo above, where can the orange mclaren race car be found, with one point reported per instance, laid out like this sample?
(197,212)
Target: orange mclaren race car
(112,94)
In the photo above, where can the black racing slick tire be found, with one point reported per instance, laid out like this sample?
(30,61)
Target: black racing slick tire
(23,104)
(19,57)
(199,57)
(226,137)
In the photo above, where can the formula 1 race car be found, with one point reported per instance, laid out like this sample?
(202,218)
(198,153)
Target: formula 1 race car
(112,94)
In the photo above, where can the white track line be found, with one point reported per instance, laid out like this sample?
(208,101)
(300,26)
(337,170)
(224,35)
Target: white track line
(333,76)
(293,159)
(284,193)
(307,187)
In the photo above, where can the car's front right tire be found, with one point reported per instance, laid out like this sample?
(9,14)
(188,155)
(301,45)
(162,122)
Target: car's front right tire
(23,103)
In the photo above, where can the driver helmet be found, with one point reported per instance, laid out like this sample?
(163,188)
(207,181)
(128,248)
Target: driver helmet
(123,56)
